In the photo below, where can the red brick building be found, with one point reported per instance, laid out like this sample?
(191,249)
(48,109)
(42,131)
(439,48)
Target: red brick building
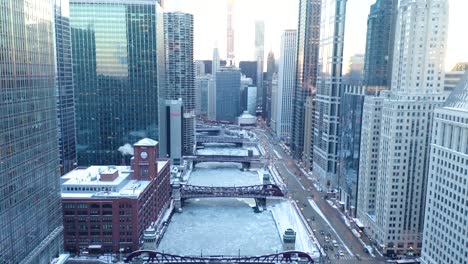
(106,208)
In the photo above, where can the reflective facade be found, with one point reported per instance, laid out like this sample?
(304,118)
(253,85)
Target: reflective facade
(30,216)
(228,82)
(326,131)
(180,72)
(308,44)
(118,51)
(65,101)
(352,103)
(379,43)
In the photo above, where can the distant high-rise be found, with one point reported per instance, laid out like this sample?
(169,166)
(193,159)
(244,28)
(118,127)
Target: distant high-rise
(31,228)
(378,61)
(66,99)
(118,70)
(354,76)
(212,99)
(453,77)
(228,94)
(249,69)
(230,33)
(259,57)
(201,89)
(271,69)
(401,172)
(286,82)
(215,63)
(199,68)
(445,232)
(274,101)
(326,131)
(308,45)
(180,74)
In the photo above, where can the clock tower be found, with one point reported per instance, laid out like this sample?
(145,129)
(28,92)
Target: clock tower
(145,159)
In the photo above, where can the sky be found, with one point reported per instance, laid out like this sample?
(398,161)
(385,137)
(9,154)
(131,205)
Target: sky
(279,15)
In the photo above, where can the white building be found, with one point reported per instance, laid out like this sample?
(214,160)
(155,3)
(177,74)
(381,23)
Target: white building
(252,100)
(286,81)
(396,223)
(274,102)
(445,225)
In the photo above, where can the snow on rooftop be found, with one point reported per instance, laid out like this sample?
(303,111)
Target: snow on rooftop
(87,183)
(146,142)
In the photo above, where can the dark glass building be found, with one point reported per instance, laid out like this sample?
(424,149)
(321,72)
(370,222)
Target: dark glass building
(31,228)
(329,90)
(308,44)
(180,72)
(118,66)
(65,101)
(228,82)
(249,69)
(378,59)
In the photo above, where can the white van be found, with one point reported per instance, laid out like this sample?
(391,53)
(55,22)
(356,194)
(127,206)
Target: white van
(334,243)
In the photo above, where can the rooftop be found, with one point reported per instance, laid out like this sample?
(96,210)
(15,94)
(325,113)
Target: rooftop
(89,182)
(146,142)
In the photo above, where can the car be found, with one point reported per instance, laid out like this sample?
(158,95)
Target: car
(334,243)
(313,218)
(325,247)
(341,253)
(327,240)
(322,233)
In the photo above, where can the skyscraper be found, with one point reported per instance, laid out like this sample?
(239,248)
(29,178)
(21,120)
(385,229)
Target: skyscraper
(271,69)
(326,131)
(227,94)
(249,69)
(31,228)
(180,75)
(66,100)
(118,66)
(259,57)
(445,233)
(378,61)
(201,90)
(199,68)
(308,44)
(400,173)
(230,34)
(216,62)
(286,81)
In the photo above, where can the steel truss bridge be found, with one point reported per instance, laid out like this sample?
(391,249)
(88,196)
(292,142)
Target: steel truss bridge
(255,191)
(221,139)
(150,256)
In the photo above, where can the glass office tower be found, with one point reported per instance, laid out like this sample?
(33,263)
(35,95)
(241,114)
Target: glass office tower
(117,70)
(65,101)
(30,205)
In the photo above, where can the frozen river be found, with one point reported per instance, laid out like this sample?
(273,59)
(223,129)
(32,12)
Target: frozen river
(222,174)
(220,149)
(229,226)
(221,226)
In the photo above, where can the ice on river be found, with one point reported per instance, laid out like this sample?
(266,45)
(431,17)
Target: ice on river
(221,226)
(222,149)
(222,174)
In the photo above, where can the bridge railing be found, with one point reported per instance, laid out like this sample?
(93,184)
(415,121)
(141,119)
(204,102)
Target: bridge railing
(157,257)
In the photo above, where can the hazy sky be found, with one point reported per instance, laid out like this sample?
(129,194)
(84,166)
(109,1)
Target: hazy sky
(210,26)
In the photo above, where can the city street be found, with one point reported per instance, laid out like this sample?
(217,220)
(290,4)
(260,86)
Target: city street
(301,189)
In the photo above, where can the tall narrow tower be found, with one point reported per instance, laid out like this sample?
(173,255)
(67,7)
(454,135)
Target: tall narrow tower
(230,33)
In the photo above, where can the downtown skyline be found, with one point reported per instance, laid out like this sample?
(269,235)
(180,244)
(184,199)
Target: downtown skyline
(279,17)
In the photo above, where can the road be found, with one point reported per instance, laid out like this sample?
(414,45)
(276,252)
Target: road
(301,189)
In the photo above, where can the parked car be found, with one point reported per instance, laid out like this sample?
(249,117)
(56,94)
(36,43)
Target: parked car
(341,253)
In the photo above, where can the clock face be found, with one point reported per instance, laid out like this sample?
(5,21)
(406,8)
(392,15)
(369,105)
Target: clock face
(143,155)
